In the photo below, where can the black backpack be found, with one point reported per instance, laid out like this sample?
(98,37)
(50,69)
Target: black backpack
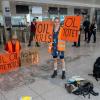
(96,69)
(81,88)
(85,89)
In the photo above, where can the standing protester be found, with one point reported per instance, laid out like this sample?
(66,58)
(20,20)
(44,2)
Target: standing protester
(57,48)
(32,32)
(93,28)
(77,44)
(86,25)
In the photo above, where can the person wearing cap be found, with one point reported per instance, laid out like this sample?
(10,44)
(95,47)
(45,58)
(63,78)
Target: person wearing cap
(13,45)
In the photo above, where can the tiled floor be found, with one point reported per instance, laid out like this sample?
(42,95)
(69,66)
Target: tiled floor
(37,82)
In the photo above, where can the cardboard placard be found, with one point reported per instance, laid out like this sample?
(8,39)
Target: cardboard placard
(8,62)
(71,28)
(44,31)
(29,56)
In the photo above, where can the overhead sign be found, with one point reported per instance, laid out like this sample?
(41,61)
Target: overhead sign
(6,13)
(6,8)
(71,28)
(8,62)
(29,56)
(44,30)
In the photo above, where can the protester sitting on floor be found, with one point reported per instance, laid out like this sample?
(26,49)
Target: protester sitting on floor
(13,45)
(57,47)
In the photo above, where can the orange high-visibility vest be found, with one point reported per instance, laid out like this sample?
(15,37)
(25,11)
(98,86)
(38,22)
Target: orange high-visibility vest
(61,43)
(17,47)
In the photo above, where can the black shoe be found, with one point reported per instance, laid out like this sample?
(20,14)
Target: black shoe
(78,46)
(63,75)
(73,45)
(54,74)
(85,40)
(29,45)
(37,45)
(94,42)
(88,41)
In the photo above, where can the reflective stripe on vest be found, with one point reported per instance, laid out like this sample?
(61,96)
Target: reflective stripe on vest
(61,45)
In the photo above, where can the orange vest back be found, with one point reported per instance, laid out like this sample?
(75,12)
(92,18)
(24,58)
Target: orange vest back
(17,47)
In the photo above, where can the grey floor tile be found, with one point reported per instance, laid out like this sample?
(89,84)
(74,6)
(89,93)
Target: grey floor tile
(2,97)
(19,92)
(38,98)
(42,86)
(58,94)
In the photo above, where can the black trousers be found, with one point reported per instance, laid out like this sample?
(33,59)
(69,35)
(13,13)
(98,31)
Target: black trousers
(77,43)
(31,39)
(86,34)
(94,35)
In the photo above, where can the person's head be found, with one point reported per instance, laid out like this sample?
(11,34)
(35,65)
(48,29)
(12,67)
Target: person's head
(57,21)
(78,13)
(34,19)
(14,38)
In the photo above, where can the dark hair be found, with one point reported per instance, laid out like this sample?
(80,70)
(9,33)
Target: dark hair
(34,19)
(56,18)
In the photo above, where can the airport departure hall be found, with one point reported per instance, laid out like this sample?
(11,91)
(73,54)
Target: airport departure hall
(49,49)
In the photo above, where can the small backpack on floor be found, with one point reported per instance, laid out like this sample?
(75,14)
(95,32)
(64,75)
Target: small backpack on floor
(96,69)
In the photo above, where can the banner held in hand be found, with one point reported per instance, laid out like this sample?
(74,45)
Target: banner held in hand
(44,31)
(71,28)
